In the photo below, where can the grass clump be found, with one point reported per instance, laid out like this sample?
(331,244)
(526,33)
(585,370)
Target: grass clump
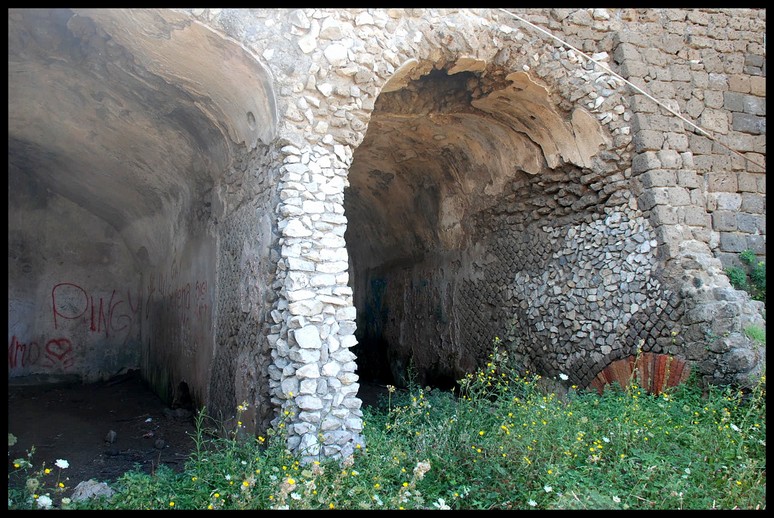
(756,333)
(751,277)
(500,442)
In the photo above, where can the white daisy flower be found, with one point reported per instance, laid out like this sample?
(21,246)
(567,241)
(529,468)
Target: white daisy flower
(45,502)
(441,504)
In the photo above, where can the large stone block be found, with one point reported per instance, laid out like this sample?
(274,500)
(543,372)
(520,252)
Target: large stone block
(648,140)
(663,215)
(653,197)
(308,337)
(739,83)
(722,182)
(757,244)
(688,179)
(749,123)
(626,52)
(733,242)
(758,86)
(753,203)
(714,121)
(730,201)
(751,223)
(645,161)
(658,178)
(696,216)
(724,221)
(678,196)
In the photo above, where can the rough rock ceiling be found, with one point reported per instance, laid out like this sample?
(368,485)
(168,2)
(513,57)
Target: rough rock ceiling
(434,155)
(125,112)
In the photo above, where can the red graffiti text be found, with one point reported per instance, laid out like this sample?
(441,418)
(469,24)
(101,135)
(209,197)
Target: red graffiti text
(108,315)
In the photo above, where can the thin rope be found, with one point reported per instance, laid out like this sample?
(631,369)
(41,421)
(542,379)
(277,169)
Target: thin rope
(640,90)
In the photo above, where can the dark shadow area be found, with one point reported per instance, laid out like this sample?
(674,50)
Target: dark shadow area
(372,361)
(105,429)
(102,430)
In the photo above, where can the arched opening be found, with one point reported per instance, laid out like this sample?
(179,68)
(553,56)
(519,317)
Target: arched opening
(120,133)
(448,198)
(112,170)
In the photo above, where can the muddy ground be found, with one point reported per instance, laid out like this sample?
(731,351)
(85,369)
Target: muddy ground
(104,429)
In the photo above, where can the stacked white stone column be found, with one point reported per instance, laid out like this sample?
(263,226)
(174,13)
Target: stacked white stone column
(313,381)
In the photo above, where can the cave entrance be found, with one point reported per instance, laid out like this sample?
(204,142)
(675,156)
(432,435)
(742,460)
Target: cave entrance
(411,160)
(448,198)
(429,163)
(123,146)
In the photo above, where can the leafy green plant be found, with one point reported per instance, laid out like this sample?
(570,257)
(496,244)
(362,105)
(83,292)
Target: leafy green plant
(738,277)
(751,278)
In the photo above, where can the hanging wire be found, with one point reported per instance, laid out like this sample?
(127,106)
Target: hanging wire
(637,88)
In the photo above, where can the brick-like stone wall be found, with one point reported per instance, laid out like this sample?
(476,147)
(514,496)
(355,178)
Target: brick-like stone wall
(709,64)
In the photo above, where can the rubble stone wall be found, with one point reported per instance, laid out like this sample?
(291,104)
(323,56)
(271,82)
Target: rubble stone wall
(576,258)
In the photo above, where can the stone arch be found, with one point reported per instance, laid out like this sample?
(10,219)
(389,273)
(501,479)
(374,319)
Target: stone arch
(633,296)
(339,65)
(490,173)
(455,149)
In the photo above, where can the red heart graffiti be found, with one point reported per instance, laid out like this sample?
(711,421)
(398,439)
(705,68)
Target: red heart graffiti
(59,348)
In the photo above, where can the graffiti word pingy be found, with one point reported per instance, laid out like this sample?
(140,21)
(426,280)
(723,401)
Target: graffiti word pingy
(110,316)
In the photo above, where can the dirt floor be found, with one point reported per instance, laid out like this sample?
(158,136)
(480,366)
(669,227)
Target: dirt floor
(105,429)
(102,430)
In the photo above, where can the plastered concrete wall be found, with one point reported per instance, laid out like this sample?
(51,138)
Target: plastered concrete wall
(74,294)
(144,146)
(178,319)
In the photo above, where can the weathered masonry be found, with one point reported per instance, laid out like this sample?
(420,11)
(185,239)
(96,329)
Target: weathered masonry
(271,206)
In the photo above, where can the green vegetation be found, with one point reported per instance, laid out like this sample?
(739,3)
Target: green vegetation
(756,333)
(750,278)
(500,443)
